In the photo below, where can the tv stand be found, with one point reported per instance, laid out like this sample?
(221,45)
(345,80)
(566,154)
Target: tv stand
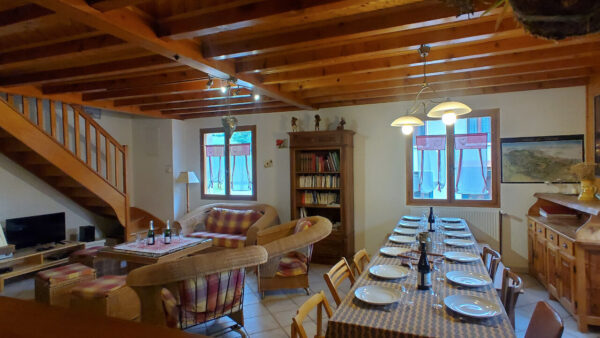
(44,248)
(30,260)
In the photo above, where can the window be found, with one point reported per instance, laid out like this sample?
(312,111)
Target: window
(455,165)
(228,166)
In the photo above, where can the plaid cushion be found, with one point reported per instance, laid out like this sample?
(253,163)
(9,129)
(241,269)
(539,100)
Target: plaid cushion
(66,272)
(92,251)
(293,264)
(222,240)
(228,221)
(203,299)
(98,288)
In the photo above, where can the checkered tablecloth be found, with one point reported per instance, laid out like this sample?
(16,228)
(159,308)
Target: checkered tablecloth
(354,318)
(159,248)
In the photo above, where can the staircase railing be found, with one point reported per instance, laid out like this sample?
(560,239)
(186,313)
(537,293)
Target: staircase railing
(78,133)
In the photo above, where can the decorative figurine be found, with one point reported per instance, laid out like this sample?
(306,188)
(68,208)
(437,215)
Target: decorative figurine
(341,124)
(294,125)
(317,121)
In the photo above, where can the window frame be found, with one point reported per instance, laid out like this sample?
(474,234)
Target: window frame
(451,200)
(227,195)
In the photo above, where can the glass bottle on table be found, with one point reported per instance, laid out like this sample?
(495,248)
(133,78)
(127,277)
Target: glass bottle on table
(431,219)
(424,270)
(167,233)
(150,239)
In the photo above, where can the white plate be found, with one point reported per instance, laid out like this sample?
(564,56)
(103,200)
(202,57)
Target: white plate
(459,242)
(403,239)
(406,224)
(460,234)
(411,218)
(470,279)
(472,306)
(451,220)
(386,271)
(405,231)
(463,257)
(454,226)
(393,251)
(377,295)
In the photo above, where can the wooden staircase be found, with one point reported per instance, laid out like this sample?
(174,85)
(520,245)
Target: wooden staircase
(66,148)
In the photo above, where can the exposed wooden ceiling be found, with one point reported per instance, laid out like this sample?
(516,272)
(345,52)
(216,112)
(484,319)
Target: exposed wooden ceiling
(153,57)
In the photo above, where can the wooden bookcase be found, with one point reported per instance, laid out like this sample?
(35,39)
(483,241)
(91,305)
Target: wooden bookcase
(335,173)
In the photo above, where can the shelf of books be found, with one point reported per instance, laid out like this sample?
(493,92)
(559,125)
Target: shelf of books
(322,184)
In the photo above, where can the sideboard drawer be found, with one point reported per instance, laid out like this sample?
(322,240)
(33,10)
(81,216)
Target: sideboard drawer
(531,225)
(566,245)
(552,236)
(540,230)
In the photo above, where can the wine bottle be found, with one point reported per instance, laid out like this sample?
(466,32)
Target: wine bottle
(431,219)
(150,240)
(167,233)
(424,280)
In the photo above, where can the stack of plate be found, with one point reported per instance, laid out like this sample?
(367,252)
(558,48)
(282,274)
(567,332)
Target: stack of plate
(385,271)
(377,295)
(458,234)
(405,231)
(406,224)
(411,218)
(393,251)
(458,242)
(454,226)
(403,239)
(471,306)
(463,257)
(451,220)
(468,279)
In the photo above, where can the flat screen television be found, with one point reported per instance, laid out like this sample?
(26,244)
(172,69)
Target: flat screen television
(35,230)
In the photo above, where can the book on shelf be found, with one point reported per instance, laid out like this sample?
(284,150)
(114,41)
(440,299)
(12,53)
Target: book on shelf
(319,181)
(324,198)
(557,211)
(320,163)
(303,213)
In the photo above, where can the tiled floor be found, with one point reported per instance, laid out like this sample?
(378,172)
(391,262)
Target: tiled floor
(272,316)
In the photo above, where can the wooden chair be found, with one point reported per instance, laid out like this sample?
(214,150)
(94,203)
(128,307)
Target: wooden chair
(319,301)
(336,275)
(361,259)
(289,252)
(545,322)
(491,259)
(512,287)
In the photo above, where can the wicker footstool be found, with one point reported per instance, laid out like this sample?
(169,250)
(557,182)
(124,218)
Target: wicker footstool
(89,256)
(108,296)
(53,286)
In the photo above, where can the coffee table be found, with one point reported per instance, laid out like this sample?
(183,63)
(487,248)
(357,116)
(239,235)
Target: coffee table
(137,254)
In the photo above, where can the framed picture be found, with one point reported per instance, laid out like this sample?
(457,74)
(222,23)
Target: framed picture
(541,159)
(597,133)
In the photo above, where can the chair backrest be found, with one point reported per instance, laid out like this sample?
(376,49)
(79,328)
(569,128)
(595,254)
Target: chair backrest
(336,275)
(491,258)
(319,301)
(545,322)
(512,287)
(361,259)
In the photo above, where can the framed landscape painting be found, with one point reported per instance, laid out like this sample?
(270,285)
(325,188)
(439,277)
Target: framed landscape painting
(541,159)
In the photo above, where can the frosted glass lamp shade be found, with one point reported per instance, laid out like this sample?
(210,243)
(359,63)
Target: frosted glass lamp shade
(455,107)
(407,121)
(187,177)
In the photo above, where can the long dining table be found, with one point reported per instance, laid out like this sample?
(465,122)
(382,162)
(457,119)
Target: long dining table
(414,314)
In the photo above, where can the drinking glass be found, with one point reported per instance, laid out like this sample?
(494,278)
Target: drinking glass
(438,267)
(139,238)
(436,289)
(409,282)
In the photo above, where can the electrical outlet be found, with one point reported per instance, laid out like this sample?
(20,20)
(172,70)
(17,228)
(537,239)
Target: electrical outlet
(268,164)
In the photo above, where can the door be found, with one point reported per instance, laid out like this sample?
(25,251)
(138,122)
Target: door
(531,250)
(540,259)
(552,277)
(566,271)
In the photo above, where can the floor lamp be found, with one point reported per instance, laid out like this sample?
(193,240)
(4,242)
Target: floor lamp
(187,177)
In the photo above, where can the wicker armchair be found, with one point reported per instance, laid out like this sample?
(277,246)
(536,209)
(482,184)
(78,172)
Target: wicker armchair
(194,223)
(196,289)
(289,254)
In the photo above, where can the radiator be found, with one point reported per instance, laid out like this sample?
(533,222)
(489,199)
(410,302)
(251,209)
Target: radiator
(484,220)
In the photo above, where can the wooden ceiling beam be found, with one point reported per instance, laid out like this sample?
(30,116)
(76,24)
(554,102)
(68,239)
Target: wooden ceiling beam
(225,109)
(238,112)
(448,78)
(86,72)
(107,5)
(359,26)
(468,92)
(22,13)
(170,88)
(166,98)
(130,27)
(234,100)
(168,76)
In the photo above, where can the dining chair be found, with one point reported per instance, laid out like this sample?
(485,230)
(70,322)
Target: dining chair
(491,258)
(512,287)
(545,322)
(361,259)
(319,301)
(336,275)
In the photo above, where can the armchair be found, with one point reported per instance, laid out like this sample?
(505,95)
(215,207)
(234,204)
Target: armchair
(289,246)
(196,289)
(229,225)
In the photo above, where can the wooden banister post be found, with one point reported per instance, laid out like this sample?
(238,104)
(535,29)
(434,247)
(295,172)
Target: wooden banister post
(65,122)
(98,153)
(40,113)
(76,133)
(52,119)
(88,144)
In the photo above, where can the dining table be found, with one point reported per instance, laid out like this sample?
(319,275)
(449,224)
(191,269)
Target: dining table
(419,313)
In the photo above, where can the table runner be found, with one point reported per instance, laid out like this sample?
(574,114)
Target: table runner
(160,248)
(354,318)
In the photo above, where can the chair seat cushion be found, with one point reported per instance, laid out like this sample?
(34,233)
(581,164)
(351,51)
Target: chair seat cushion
(293,264)
(229,221)
(66,272)
(92,251)
(222,240)
(98,288)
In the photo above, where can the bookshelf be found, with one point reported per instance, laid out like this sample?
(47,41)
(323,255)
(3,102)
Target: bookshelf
(322,179)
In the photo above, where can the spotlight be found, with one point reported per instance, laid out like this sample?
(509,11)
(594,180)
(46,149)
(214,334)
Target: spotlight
(256,97)
(224,89)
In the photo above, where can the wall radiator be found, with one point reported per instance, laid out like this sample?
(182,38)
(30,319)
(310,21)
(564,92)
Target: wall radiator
(483,220)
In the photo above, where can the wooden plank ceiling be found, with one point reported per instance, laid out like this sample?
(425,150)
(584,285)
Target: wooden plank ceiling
(154,57)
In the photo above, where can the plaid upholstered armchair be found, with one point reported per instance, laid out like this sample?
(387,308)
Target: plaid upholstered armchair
(290,247)
(196,289)
(228,225)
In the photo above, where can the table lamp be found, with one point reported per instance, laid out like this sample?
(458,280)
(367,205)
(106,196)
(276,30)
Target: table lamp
(187,177)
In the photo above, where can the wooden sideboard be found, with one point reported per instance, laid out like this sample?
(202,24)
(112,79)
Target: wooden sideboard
(564,255)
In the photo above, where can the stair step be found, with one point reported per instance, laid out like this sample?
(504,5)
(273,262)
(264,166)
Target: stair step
(104,210)
(62,182)
(92,202)
(78,192)
(32,159)
(4,134)
(49,171)
(13,146)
